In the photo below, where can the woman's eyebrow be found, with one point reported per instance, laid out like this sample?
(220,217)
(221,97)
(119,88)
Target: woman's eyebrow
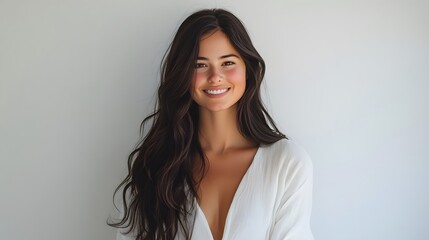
(229,55)
(221,57)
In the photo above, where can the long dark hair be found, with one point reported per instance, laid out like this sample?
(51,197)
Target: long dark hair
(160,187)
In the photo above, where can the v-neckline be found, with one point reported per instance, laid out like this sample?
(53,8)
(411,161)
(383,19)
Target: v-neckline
(234,198)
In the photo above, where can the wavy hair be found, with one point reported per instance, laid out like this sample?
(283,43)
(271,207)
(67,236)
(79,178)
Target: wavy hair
(159,189)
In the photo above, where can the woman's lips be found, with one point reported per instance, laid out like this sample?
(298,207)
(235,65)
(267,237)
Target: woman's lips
(216,92)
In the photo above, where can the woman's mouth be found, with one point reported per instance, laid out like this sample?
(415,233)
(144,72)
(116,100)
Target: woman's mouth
(216,91)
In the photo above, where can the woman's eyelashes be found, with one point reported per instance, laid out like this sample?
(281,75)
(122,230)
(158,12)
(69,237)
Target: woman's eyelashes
(228,63)
(202,65)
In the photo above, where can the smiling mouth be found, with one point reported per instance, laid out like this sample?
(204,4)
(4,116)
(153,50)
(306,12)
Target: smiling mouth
(216,91)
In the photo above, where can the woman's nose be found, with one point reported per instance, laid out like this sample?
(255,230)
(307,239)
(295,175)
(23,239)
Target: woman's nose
(215,75)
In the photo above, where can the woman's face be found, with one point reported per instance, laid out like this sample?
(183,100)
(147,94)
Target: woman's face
(220,74)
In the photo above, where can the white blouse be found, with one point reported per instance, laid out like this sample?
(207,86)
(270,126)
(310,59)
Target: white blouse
(273,200)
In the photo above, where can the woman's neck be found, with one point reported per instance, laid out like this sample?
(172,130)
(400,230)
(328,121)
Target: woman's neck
(219,131)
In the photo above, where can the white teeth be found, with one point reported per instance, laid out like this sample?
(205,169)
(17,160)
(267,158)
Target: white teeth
(217,91)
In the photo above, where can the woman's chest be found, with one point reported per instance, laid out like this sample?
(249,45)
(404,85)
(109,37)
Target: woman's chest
(217,190)
(237,197)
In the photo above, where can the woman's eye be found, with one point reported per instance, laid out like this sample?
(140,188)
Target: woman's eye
(200,65)
(229,63)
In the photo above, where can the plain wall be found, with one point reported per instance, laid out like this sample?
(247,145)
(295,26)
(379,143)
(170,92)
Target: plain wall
(348,80)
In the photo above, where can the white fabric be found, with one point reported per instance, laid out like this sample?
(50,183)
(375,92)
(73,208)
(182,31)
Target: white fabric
(273,200)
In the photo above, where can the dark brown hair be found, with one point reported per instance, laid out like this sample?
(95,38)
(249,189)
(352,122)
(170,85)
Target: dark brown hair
(160,187)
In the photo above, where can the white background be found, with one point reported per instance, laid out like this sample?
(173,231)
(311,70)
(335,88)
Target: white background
(348,80)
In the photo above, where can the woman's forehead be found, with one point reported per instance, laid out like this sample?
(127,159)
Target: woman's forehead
(216,44)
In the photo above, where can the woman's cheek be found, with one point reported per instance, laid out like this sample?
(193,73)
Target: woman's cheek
(237,74)
(199,77)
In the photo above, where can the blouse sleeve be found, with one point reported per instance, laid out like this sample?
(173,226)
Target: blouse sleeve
(292,218)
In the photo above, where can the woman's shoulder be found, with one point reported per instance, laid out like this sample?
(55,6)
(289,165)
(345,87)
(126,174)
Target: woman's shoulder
(287,157)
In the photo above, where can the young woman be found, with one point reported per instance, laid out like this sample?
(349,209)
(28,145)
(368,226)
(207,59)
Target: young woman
(213,165)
